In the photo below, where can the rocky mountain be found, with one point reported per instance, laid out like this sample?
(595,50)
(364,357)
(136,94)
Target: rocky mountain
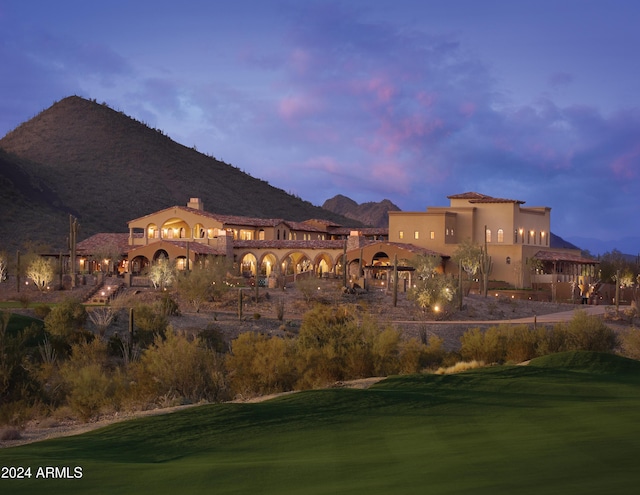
(83,158)
(371,213)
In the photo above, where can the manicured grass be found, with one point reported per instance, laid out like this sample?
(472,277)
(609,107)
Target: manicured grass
(565,424)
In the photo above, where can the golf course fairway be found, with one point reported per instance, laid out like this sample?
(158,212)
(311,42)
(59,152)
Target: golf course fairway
(564,424)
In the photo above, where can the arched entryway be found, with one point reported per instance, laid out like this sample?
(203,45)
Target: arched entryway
(323,264)
(160,253)
(248,265)
(138,264)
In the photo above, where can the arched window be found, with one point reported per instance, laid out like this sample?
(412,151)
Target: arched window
(487,235)
(500,235)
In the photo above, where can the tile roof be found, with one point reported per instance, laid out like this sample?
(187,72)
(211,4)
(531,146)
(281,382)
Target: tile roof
(562,256)
(287,244)
(194,247)
(97,242)
(225,219)
(475,197)
(417,250)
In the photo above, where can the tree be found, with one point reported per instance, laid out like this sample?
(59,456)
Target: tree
(534,266)
(108,256)
(162,273)
(431,290)
(40,270)
(66,318)
(207,280)
(468,254)
(615,261)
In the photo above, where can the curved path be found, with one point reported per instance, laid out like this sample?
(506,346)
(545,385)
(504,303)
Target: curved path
(547,318)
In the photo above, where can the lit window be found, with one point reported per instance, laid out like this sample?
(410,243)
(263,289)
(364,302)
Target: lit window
(500,235)
(432,235)
(401,234)
(416,235)
(488,235)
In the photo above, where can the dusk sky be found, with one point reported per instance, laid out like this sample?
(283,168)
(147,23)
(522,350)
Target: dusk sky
(407,100)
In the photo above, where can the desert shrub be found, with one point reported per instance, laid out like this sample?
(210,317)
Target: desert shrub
(280,308)
(10,434)
(308,287)
(386,352)
(166,305)
(416,356)
(66,318)
(479,345)
(630,343)
(334,346)
(460,367)
(148,323)
(15,413)
(180,369)
(89,390)
(259,364)
(102,318)
(521,343)
(42,310)
(213,338)
(87,380)
(586,333)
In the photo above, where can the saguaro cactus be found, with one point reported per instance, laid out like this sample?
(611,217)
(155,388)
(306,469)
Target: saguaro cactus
(131,321)
(395,280)
(485,265)
(73,239)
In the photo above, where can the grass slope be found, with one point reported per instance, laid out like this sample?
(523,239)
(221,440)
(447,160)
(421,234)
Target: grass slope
(535,429)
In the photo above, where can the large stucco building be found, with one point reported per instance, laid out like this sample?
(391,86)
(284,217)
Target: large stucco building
(271,250)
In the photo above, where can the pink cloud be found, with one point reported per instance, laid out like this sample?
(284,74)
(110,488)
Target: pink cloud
(468,108)
(382,89)
(626,165)
(295,107)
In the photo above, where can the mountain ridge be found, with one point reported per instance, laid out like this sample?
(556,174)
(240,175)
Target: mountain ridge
(84,158)
(371,213)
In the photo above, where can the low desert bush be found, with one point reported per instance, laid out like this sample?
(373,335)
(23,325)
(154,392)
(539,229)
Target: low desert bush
(42,310)
(181,369)
(7,434)
(459,367)
(587,333)
(66,318)
(630,343)
(259,364)
(517,343)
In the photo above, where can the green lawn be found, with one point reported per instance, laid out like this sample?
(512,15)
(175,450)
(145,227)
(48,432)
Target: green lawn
(565,424)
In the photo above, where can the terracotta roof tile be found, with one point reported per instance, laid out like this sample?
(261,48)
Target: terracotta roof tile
(475,197)
(562,256)
(103,240)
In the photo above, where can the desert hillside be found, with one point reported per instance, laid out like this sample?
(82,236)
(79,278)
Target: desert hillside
(84,158)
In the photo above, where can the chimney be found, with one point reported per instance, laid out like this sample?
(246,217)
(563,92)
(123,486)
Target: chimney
(224,243)
(196,204)
(355,240)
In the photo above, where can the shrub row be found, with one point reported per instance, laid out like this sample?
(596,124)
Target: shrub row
(518,343)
